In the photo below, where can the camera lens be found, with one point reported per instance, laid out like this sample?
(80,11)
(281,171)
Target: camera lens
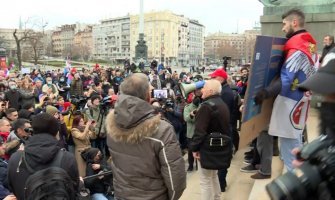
(295,185)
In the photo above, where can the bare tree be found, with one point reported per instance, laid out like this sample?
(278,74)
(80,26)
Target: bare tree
(227,50)
(27,34)
(37,46)
(19,38)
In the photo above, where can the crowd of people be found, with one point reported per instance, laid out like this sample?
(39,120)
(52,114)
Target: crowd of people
(107,129)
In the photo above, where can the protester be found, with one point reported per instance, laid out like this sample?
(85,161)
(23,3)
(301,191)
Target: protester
(39,152)
(140,138)
(206,123)
(82,134)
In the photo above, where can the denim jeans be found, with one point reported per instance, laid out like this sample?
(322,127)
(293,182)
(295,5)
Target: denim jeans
(286,147)
(209,184)
(98,196)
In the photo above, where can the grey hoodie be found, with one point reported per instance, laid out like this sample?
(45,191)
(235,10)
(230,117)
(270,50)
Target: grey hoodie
(146,157)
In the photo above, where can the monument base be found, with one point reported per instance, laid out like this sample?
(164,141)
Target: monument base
(319,21)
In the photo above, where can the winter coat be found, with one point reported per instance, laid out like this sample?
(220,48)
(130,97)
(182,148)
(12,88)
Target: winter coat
(96,185)
(81,142)
(99,117)
(206,123)
(27,96)
(76,87)
(14,97)
(146,156)
(3,179)
(40,150)
(189,120)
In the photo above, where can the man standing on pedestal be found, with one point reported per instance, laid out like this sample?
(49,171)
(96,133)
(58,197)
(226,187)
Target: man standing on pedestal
(290,108)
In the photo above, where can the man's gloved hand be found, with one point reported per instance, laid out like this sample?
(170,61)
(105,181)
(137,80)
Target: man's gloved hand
(261,96)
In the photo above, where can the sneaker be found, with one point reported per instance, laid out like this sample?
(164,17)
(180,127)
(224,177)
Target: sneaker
(249,169)
(260,176)
(247,161)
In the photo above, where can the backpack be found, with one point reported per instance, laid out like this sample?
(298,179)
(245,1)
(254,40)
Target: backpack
(216,150)
(50,183)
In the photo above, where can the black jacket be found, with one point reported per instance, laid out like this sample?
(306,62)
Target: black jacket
(40,150)
(227,96)
(14,98)
(3,179)
(206,123)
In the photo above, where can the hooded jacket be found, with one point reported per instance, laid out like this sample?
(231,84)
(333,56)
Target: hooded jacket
(146,158)
(40,151)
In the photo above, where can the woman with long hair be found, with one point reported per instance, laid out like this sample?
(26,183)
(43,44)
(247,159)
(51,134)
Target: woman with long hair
(27,92)
(82,134)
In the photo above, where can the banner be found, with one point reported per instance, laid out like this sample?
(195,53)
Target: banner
(267,60)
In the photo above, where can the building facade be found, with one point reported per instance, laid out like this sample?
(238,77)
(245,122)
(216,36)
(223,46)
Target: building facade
(111,39)
(196,42)
(237,46)
(169,38)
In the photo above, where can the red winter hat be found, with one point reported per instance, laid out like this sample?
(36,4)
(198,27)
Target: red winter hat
(219,72)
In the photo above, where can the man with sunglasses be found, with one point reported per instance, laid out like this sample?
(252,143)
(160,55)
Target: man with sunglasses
(21,132)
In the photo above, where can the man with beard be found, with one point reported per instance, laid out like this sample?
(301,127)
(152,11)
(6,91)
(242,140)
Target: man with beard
(328,42)
(290,108)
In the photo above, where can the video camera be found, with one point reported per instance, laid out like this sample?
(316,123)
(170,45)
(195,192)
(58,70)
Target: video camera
(303,182)
(108,102)
(79,101)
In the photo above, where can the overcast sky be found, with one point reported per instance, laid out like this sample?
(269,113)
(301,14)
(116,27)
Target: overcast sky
(217,15)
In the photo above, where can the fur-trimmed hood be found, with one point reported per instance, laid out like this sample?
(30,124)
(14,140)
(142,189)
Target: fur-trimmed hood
(131,120)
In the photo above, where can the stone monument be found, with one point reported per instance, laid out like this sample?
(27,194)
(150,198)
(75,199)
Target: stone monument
(141,49)
(320,17)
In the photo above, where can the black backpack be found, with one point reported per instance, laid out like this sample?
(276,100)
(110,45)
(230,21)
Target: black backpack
(50,183)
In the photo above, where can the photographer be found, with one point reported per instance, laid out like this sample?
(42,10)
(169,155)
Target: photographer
(313,177)
(97,113)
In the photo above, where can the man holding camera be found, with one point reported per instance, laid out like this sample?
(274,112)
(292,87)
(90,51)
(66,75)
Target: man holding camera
(97,112)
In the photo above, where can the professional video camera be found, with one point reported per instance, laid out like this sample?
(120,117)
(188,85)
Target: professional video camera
(108,102)
(79,101)
(303,182)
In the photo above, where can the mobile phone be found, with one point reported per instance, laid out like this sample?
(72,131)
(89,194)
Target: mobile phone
(160,94)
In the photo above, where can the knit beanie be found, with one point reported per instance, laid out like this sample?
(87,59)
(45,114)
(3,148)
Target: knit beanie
(51,110)
(45,123)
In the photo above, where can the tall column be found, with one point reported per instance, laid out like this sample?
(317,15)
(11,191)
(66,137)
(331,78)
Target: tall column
(141,26)
(141,49)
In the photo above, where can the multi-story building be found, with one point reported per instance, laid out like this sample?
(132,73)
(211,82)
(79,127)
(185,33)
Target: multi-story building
(63,38)
(250,40)
(237,46)
(161,35)
(196,42)
(111,39)
(8,41)
(169,38)
(56,43)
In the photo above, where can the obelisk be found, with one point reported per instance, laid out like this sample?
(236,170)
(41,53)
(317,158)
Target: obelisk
(141,49)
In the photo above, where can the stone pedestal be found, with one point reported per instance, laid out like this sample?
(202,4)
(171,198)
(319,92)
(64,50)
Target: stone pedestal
(141,49)
(320,21)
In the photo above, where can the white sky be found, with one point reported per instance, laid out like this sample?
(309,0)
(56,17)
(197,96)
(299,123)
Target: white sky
(216,15)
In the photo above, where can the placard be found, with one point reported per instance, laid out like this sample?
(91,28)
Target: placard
(267,61)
